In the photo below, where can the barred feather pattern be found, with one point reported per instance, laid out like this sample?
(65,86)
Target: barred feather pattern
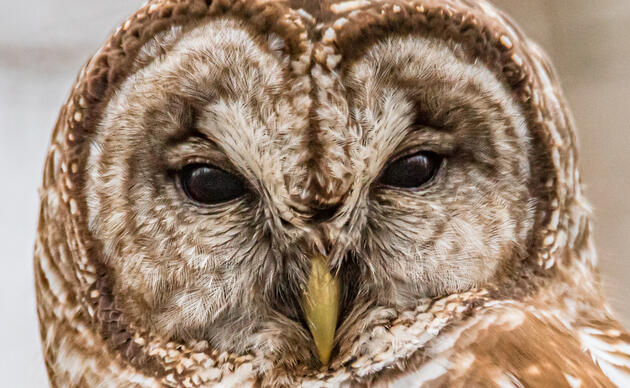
(487,278)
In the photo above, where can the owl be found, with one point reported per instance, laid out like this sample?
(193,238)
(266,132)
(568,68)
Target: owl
(319,194)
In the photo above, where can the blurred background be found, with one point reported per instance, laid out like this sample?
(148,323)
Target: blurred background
(43,44)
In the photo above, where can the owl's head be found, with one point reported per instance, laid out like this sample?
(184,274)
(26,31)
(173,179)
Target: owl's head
(234,146)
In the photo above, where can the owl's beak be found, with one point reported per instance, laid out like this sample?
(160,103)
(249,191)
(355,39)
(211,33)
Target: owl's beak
(320,303)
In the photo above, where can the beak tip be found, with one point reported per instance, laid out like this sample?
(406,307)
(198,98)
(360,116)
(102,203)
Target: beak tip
(324,357)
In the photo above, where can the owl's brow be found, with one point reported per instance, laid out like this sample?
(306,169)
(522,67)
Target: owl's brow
(180,113)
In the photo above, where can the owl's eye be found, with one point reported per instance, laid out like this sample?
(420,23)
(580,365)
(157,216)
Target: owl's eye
(207,184)
(412,171)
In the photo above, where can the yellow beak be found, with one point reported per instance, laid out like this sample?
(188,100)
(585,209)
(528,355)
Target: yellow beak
(320,302)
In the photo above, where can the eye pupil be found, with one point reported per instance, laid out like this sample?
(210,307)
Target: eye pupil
(411,172)
(209,185)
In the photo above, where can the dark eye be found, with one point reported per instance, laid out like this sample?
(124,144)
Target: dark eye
(209,185)
(412,171)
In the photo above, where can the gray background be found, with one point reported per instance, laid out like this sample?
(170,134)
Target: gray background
(43,44)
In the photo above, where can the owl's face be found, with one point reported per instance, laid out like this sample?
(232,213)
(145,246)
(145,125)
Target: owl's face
(212,182)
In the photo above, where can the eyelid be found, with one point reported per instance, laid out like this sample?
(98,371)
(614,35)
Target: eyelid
(425,140)
(198,151)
